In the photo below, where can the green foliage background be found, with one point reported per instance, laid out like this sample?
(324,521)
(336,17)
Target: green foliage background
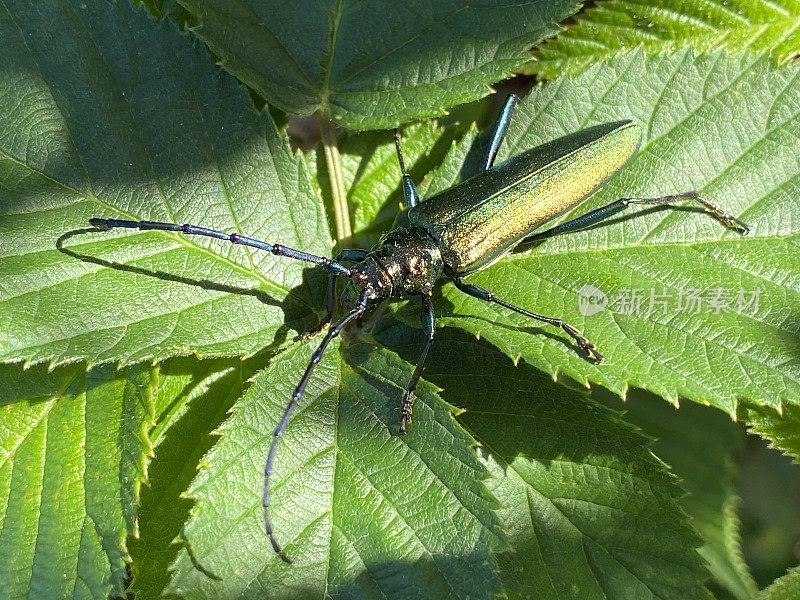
(150,358)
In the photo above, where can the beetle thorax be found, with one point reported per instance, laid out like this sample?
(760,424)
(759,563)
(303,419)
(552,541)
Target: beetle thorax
(406,262)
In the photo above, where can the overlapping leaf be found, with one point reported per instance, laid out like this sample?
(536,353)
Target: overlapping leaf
(782,430)
(726,126)
(372,65)
(192,400)
(701,445)
(72,455)
(613,25)
(124,118)
(784,588)
(590,512)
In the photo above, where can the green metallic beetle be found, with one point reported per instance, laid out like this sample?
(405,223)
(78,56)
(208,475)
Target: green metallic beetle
(460,231)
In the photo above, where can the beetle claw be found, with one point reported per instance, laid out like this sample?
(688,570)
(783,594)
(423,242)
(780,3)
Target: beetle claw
(594,354)
(403,423)
(405,414)
(738,225)
(591,351)
(732,222)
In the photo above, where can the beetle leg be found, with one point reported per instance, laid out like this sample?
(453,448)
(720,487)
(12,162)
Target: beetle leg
(583,343)
(352,255)
(599,215)
(331,266)
(429,327)
(358,310)
(410,192)
(499,130)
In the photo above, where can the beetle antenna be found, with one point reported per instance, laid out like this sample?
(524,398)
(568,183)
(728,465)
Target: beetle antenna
(356,312)
(329,265)
(410,192)
(399,150)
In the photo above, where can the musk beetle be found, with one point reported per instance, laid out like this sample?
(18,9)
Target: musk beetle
(459,231)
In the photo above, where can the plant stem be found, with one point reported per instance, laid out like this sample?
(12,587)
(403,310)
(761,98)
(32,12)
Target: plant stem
(333,160)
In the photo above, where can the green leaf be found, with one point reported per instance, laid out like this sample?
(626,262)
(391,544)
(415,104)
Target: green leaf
(785,588)
(590,512)
(104,112)
(165,9)
(193,399)
(126,118)
(701,446)
(725,126)
(612,25)
(72,456)
(362,511)
(782,430)
(373,65)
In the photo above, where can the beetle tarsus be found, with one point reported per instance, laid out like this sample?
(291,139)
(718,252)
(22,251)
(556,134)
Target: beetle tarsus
(405,412)
(591,351)
(585,345)
(740,226)
(732,222)
(429,327)
(722,216)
